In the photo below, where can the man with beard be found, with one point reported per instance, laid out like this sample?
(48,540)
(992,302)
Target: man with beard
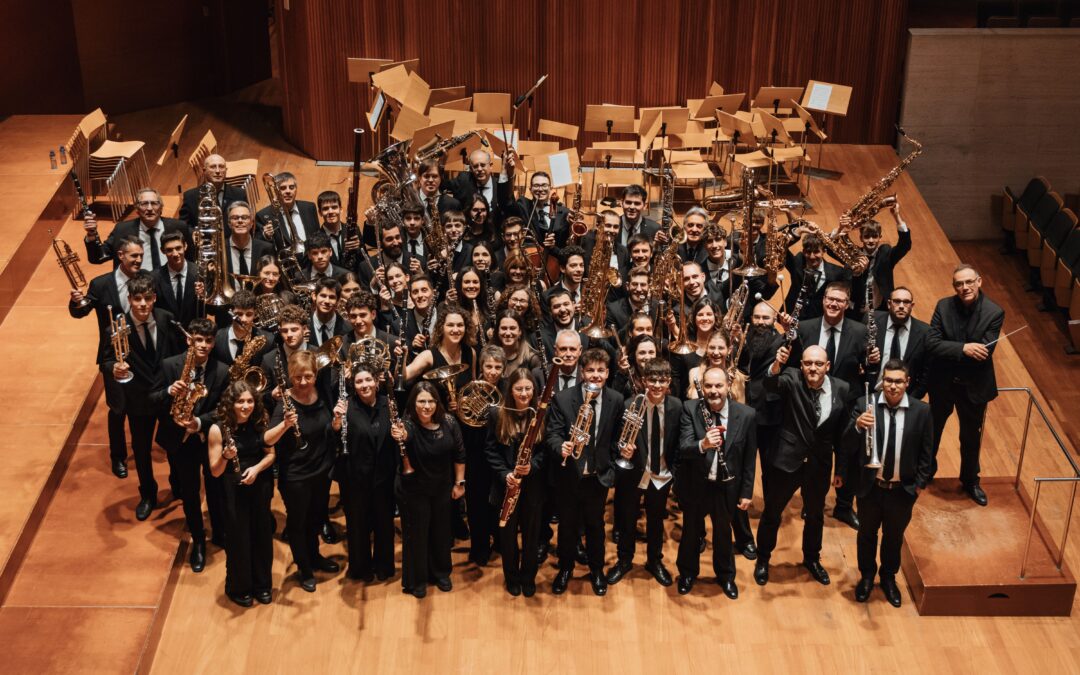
(572,266)
(562,317)
(636,300)
(695,289)
(902,336)
(392,252)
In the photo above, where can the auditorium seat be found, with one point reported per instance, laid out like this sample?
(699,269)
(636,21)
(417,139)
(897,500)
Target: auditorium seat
(1033,192)
(1067,270)
(1031,224)
(1054,236)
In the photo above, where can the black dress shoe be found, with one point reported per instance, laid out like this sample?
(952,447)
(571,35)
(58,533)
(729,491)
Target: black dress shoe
(264,597)
(730,589)
(660,573)
(419,591)
(618,571)
(383,575)
(599,583)
(358,575)
(326,565)
(513,588)
(528,588)
(562,580)
(142,511)
(197,557)
(444,584)
(761,573)
(749,551)
(217,541)
(329,534)
(847,516)
(863,588)
(308,584)
(685,584)
(976,493)
(119,468)
(892,593)
(244,600)
(818,572)
(581,556)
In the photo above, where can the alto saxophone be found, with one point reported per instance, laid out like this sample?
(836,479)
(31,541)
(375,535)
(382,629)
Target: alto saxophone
(183,405)
(241,369)
(593,312)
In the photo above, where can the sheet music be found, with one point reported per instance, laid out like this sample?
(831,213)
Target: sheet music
(560,169)
(376,111)
(819,96)
(512,141)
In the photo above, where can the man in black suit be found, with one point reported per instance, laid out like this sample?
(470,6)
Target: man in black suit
(498,190)
(563,317)
(716,477)
(636,300)
(325,323)
(903,438)
(815,415)
(882,260)
(242,249)
(582,484)
(431,187)
(229,342)
(620,256)
(329,204)
(302,214)
(717,264)
(844,342)
(185,441)
(694,223)
(572,273)
(108,296)
(320,254)
(292,325)
(549,225)
(634,198)
(391,250)
(151,338)
(420,319)
(902,336)
(652,460)
(811,261)
(762,341)
(149,227)
(963,335)
(214,170)
(176,280)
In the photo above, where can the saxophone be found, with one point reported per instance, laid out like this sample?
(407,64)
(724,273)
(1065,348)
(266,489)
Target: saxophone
(241,369)
(667,265)
(593,312)
(576,217)
(439,146)
(183,405)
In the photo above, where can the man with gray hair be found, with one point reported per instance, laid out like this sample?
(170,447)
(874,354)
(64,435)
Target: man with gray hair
(147,227)
(214,170)
(497,189)
(303,215)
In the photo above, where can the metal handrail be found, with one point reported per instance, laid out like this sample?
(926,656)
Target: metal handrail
(1039,480)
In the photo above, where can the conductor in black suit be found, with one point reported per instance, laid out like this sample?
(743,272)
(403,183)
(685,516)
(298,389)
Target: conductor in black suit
(582,485)
(303,216)
(653,458)
(902,336)
(176,280)
(108,293)
(214,170)
(963,335)
(716,477)
(149,227)
(497,189)
(815,415)
(903,441)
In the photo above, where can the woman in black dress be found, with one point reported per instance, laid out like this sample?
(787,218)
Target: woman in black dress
(366,476)
(304,467)
(452,339)
(248,489)
(437,456)
(504,433)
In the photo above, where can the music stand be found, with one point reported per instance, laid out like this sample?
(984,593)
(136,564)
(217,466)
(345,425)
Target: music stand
(446,95)
(831,100)
(361,70)
(776,99)
(173,146)
(610,119)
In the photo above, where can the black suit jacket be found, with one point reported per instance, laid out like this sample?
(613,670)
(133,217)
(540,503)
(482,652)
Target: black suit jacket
(259,248)
(341,327)
(502,458)
(189,208)
(766,403)
(166,294)
(850,352)
(464,186)
(812,305)
(309,216)
(647,226)
(559,226)
(916,355)
(740,450)
(99,252)
(669,446)
(800,438)
(883,266)
(373,453)
(137,392)
(222,353)
(604,445)
(102,292)
(952,326)
(216,378)
(916,447)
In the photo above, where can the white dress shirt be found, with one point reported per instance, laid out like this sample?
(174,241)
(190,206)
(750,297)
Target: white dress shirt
(882,408)
(825,398)
(144,237)
(721,420)
(121,286)
(823,335)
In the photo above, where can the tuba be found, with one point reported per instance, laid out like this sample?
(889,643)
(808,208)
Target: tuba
(241,369)
(210,262)
(475,399)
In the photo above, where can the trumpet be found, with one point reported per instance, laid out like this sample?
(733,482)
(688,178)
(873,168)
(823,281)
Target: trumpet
(633,420)
(69,262)
(581,432)
(873,460)
(119,331)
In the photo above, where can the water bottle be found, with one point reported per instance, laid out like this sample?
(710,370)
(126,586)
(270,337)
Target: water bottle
(63,155)
(52,159)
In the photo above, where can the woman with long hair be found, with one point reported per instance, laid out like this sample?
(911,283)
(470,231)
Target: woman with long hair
(510,335)
(239,454)
(479,225)
(451,344)
(437,455)
(470,291)
(269,272)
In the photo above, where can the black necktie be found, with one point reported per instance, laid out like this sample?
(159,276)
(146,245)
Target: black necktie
(243,266)
(324,334)
(830,346)
(179,289)
(654,441)
(894,350)
(148,343)
(890,447)
(815,396)
(564,381)
(155,256)
(413,246)
(239,347)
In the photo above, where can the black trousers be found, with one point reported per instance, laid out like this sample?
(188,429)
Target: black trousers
(519,564)
(483,520)
(813,478)
(305,510)
(942,403)
(845,494)
(249,551)
(142,443)
(425,533)
(369,524)
(627,507)
(889,511)
(115,400)
(581,503)
(715,502)
(190,460)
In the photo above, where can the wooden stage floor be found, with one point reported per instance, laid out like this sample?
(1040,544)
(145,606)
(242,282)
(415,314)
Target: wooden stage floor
(88,549)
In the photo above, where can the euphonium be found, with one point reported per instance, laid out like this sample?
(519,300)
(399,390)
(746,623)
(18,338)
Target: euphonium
(209,238)
(475,400)
(633,420)
(445,376)
(241,369)
(581,432)
(328,353)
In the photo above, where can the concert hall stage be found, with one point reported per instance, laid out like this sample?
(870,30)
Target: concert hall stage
(90,588)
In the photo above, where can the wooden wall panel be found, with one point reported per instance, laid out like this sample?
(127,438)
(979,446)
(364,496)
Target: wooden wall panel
(631,52)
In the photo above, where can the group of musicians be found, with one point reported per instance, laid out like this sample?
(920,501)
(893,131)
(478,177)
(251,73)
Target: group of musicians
(357,376)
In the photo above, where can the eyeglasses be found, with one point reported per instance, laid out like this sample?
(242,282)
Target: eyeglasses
(835,301)
(965,282)
(239,218)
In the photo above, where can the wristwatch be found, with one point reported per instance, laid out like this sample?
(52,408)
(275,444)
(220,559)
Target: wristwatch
(460,483)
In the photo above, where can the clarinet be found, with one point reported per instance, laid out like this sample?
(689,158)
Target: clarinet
(871,322)
(710,423)
(286,401)
(391,404)
(343,395)
(793,329)
(226,441)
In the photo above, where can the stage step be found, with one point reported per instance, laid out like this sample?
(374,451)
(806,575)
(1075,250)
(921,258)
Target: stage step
(964,560)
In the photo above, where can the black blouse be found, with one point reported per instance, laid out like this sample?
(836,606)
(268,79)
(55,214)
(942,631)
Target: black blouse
(322,443)
(372,450)
(250,450)
(434,452)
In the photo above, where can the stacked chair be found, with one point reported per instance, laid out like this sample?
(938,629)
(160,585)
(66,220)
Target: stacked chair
(114,170)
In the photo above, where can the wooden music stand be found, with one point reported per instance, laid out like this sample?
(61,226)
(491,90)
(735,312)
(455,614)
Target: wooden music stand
(776,100)
(361,70)
(447,94)
(490,108)
(831,100)
(610,119)
(173,147)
